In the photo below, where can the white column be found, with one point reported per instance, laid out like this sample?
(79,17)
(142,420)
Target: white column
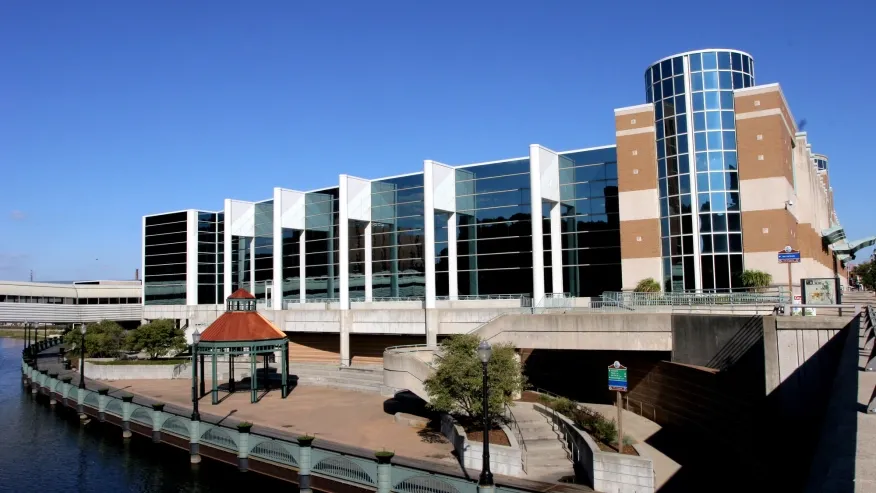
(344,242)
(429,234)
(369,287)
(544,175)
(301,267)
(227,267)
(277,293)
(556,248)
(536,221)
(143,263)
(452,268)
(252,259)
(191,257)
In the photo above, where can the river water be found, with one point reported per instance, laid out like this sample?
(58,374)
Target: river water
(44,449)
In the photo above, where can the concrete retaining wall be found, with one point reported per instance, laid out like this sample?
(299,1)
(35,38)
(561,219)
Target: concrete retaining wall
(137,372)
(604,471)
(503,460)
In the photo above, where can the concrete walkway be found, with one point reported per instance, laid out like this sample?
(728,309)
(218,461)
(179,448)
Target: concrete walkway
(865,446)
(640,429)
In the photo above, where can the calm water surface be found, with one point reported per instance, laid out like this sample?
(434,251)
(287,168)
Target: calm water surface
(42,449)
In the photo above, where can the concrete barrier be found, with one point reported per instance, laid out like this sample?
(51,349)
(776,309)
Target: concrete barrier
(603,471)
(136,372)
(503,459)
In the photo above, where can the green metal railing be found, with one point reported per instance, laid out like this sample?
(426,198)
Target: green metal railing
(633,300)
(359,469)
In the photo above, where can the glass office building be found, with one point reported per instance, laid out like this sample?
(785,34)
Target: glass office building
(697,166)
(165,247)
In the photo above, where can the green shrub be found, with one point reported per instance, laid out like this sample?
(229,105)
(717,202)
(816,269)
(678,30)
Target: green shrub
(546,400)
(604,430)
(756,279)
(565,406)
(647,285)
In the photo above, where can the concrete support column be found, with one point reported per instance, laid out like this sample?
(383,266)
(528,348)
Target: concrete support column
(277,232)
(544,180)
(452,265)
(102,400)
(305,451)
(157,414)
(194,442)
(384,474)
(369,282)
(556,248)
(243,449)
(346,322)
(192,257)
(252,260)
(432,322)
(344,242)
(227,266)
(126,416)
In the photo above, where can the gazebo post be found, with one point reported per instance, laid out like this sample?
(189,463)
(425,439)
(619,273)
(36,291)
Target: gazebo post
(285,364)
(215,399)
(265,376)
(253,382)
(230,370)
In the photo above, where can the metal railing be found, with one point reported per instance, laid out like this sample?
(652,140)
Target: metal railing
(525,300)
(511,421)
(346,464)
(633,299)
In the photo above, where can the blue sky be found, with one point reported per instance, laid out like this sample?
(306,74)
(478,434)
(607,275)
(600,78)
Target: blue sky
(113,110)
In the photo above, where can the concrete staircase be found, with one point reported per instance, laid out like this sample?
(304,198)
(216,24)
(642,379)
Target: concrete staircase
(363,378)
(546,456)
(859,297)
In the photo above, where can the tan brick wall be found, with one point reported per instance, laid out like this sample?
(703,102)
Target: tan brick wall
(745,103)
(775,146)
(812,246)
(646,229)
(639,171)
(781,231)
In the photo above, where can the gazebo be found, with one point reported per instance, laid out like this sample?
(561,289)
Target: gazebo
(241,330)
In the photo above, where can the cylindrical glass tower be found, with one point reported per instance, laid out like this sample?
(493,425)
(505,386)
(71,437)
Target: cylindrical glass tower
(697,168)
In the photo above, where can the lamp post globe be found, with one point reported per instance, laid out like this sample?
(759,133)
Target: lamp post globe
(196,338)
(82,329)
(485,483)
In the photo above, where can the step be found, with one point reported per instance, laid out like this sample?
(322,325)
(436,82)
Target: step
(546,434)
(339,381)
(339,374)
(543,444)
(541,463)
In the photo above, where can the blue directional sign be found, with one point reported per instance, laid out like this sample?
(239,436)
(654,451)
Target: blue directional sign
(617,377)
(791,257)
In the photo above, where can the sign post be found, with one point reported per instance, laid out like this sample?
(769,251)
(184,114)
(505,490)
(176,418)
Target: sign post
(617,381)
(789,256)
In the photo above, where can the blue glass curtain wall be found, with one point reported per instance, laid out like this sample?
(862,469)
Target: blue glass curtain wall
(321,210)
(494,235)
(263,247)
(590,222)
(708,183)
(164,272)
(291,264)
(397,237)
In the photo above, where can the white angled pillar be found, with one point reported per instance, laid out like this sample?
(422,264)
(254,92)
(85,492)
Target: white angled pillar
(302,267)
(191,257)
(277,293)
(544,176)
(452,266)
(369,286)
(556,248)
(429,233)
(344,242)
(228,266)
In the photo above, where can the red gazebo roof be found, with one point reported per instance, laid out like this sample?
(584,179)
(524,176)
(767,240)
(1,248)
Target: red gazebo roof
(241,326)
(241,294)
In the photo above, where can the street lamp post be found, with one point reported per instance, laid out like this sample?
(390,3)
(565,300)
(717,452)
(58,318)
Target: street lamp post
(196,338)
(82,329)
(485,352)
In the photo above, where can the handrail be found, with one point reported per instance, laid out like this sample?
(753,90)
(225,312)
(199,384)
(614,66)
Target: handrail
(518,434)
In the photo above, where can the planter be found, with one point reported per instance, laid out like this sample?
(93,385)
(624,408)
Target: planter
(103,391)
(244,427)
(384,456)
(53,375)
(67,379)
(158,407)
(127,398)
(305,440)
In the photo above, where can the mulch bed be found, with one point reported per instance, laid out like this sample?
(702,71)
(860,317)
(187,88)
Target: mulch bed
(628,449)
(497,437)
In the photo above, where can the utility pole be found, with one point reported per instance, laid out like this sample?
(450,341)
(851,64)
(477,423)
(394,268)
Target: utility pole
(31,275)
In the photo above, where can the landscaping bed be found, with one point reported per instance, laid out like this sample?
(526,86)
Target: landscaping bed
(497,436)
(139,362)
(602,430)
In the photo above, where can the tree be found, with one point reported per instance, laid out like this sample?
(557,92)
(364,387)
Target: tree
(157,338)
(867,272)
(457,383)
(102,340)
(647,285)
(756,279)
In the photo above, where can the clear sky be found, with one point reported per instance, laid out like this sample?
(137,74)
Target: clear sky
(111,110)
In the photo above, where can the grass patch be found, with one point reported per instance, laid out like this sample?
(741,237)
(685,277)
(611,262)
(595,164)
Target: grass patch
(135,362)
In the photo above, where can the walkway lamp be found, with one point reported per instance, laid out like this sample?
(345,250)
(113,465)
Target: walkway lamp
(485,352)
(82,329)
(196,338)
